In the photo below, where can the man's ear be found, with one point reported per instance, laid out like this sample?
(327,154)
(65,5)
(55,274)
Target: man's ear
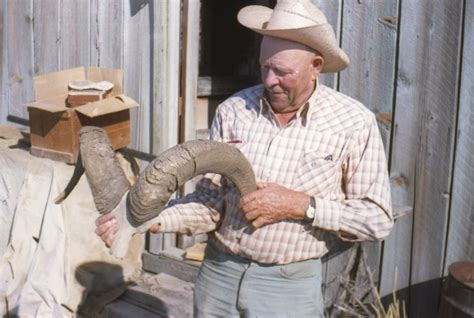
(318,63)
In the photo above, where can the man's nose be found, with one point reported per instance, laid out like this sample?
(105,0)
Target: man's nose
(269,78)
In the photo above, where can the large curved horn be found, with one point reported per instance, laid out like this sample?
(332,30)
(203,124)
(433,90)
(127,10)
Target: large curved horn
(171,169)
(106,178)
(158,181)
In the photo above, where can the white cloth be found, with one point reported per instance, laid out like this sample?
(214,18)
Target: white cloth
(50,257)
(32,267)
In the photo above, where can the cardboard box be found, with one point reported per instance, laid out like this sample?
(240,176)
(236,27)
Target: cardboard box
(55,127)
(79,98)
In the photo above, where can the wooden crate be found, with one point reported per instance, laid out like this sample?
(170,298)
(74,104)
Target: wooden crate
(55,127)
(56,135)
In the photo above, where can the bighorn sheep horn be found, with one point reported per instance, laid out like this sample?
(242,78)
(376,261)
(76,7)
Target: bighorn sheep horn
(106,178)
(158,181)
(171,169)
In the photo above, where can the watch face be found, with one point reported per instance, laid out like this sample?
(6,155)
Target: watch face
(310,212)
(311,209)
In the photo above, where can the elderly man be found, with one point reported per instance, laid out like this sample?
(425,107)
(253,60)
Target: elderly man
(319,160)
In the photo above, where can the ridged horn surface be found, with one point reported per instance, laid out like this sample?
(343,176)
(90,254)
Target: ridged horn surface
(174,167)
(106,178)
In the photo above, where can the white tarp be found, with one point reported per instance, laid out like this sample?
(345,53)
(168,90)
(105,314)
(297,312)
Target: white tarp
(50,256)
(33,264)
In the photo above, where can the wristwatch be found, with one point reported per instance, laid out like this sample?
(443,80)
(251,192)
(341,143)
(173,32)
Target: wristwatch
(311,210)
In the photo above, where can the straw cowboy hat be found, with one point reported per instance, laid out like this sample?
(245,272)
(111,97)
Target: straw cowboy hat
(299,21)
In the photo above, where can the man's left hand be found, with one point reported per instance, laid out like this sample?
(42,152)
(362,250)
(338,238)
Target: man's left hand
(272,203)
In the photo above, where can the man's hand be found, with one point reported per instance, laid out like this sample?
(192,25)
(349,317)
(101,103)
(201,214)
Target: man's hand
(108,226)
(272,203)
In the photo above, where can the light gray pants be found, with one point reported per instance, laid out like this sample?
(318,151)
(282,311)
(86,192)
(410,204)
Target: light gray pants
(231,286)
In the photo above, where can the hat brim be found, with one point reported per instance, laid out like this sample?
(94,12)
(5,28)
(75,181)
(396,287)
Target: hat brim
(319,37)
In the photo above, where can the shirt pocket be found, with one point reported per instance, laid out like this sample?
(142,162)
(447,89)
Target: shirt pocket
(316,174)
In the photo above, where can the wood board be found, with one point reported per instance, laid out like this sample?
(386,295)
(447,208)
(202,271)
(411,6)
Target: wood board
(461,218)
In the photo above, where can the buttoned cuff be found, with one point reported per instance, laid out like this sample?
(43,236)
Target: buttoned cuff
(327,215)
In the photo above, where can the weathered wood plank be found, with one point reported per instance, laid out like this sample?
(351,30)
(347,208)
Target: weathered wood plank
(191,67)
(371,44)
(166,80)
(369,37)
(166,62)
(74,28)
(20,56)
(138,68)
(430,34)
(434,171)
(107,33)
(189,77)
(333,11)
(185,270)
(461,220)
(46,36)
(3,63)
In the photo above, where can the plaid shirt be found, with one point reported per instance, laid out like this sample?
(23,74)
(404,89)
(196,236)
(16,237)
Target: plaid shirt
(331,150)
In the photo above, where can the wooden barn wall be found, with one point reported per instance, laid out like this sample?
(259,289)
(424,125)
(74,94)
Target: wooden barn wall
(52,35)
(460,236)
(411,64)
(139,36)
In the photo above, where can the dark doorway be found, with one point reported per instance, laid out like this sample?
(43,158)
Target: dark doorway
(228,52)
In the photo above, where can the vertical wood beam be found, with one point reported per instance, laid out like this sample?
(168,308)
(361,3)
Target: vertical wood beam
(75,30)
(423,140)
(46,36)
(166,65)
(461,217)
(138,20)
(369,37)
(333,12)
(3,63)
(107,33)
(189,77)
(166,80)
(20,56)
(190,65)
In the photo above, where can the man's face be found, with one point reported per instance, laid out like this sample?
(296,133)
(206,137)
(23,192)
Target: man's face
(288,72)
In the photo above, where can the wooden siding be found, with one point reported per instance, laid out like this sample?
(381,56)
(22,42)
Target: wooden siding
(165,109)
(461,217)
(19,50)
(411,64)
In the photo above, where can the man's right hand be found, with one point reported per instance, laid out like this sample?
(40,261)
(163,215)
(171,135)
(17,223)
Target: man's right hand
(108,226)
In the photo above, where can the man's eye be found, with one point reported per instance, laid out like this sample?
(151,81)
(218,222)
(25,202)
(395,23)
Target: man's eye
(281,72)
(277,71)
